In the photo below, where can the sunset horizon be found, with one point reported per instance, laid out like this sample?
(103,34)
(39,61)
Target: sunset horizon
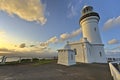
(42,27)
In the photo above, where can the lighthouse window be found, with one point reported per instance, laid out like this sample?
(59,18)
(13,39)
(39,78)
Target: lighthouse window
(100,54)
(75,51)
(87,9)
(95,29)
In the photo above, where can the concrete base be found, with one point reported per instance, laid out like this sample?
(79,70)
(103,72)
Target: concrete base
(66,64)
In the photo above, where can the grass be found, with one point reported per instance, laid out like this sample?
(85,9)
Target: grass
(44,61)
(35,62)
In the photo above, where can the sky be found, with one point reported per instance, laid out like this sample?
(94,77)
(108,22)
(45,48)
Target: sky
(33,27)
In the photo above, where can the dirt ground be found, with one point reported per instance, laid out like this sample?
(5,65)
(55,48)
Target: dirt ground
(53,71)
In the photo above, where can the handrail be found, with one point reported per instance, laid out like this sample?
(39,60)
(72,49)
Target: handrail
(114,71)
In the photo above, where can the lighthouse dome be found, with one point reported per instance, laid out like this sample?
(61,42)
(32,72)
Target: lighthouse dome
(67,46)
(87,9)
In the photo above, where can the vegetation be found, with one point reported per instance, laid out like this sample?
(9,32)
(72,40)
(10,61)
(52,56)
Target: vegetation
(44,61)
(34,61)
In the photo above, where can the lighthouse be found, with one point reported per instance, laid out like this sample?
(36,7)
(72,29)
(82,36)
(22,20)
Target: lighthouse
(89,49)
(89,23)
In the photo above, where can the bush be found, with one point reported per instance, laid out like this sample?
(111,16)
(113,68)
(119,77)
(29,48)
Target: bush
(35,59)
(26,60)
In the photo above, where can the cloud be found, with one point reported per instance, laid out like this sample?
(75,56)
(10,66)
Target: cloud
(73,8)
(53,40)
(72,12)
(76,32)
(113,41)
(66,36)
(3,49)
(62,38)
(111,23)
(30,10)
(43,54)
(41,48)
(23,45)
(27,49)
(43,44)
(114,52)
(32,45)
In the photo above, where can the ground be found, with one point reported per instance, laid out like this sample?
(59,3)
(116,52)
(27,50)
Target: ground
(53,71)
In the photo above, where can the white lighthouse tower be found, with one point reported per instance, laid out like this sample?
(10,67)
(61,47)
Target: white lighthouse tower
(89,24)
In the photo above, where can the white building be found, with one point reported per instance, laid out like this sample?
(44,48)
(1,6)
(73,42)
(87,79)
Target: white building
(90,48)
(66,56)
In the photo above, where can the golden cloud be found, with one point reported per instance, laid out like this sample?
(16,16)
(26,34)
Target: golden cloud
(113,41)
(30,10)
(66,36)
(53,40)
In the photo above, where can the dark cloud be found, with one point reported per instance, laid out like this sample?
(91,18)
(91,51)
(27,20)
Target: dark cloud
(32,45)
(43,44)
(15,45)
(3,49)
(23,45)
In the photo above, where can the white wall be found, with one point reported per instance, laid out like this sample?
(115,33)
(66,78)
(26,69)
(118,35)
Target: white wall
(66,57)
(89,53)
(114,72)
(80,56)
(62,57)
(96,49)
(71,57)
(88,28)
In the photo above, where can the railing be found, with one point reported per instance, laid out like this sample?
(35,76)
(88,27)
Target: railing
(115,70)
(3,58)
